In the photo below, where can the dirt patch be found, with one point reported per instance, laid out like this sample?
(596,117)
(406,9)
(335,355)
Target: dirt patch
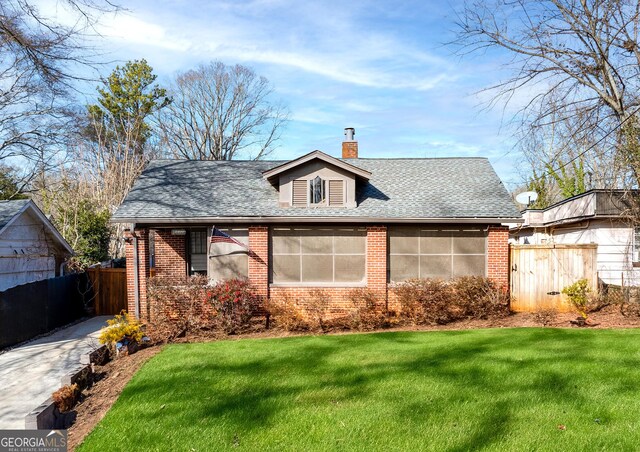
(97,399)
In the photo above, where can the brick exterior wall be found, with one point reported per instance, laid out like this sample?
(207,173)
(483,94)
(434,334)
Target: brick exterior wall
(259,259)
(171,260)
(143,270)
(171,254)
(498,256)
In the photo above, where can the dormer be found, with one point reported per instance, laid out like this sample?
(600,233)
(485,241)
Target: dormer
(316,180)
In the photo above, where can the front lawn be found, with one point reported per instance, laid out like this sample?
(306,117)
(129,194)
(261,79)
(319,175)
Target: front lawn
(500,389)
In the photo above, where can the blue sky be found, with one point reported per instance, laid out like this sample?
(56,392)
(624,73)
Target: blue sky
(381,67)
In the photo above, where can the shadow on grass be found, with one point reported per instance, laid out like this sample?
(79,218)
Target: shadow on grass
(251,385)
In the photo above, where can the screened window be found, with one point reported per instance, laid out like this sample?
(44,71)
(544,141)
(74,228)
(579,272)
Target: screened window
(316,190)
(229,260)
(636,246)
(318,255)
(422,253)
(198,252)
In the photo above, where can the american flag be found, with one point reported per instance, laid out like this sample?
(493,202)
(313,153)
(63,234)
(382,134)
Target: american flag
(217,236)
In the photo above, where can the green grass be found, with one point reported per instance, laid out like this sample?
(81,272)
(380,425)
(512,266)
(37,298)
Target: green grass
(500,389)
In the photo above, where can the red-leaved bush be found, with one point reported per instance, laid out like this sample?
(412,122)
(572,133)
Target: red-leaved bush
(234,302)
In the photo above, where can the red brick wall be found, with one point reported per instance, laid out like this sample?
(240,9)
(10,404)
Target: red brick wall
(171,254)
(498,256)
(143,271)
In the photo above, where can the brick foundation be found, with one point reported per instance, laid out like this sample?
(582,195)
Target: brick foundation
(143,270)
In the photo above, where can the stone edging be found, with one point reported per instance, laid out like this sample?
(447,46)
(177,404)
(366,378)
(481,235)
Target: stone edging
(46,415)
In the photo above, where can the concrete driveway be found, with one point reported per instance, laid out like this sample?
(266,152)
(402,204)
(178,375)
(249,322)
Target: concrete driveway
(29,374)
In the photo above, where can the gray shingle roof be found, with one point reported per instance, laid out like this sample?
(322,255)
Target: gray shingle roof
(442,188)
(9,209)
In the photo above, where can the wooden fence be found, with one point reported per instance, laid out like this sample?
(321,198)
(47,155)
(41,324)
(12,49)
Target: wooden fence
(540,272)
(110,288)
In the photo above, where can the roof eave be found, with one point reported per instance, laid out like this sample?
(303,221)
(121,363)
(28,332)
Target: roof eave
(300,219)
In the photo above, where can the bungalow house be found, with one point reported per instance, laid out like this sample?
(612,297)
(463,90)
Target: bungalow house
(31,248)
(601,217)
(318,222)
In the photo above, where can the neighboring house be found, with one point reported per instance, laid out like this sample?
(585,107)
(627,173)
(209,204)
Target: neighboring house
(318,222)
(596,217)
(31,248)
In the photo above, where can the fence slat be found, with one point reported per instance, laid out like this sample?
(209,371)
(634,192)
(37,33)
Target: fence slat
(110,287)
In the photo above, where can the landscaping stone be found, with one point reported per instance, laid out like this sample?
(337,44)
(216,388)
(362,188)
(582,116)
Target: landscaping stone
(81,376)
(47,416)
(99,356)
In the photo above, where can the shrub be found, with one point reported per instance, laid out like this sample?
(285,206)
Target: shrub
(429,301)
(66,397)
(479,298)
(578,296)
(234,302)
(178,306)
(287,315)
(426,301)
(317,306)
(367,314)
(121,327)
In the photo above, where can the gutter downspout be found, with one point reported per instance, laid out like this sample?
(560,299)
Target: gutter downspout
(136,273)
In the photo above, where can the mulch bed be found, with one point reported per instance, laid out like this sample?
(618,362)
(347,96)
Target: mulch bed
(114,376)
(96,400)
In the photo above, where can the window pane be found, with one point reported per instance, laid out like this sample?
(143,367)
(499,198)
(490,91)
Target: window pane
(198,263)
(285,242)
(228,260)
(317,242)
(468,245)
(229,266)
(403,267)
(317,262)
(435,243)
(469,265)
(351,242)
(442,253)
(286,268)
(404,241)
(317,268)
(350,269)
(198,242)
(435,267)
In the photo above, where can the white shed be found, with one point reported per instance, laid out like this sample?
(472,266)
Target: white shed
(596,217)
(31,248)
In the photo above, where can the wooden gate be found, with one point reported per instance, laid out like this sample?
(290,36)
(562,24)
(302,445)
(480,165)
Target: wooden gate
(110,288)
(540,272)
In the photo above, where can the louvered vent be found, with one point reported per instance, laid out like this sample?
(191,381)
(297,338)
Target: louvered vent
(336,193)
(300,193)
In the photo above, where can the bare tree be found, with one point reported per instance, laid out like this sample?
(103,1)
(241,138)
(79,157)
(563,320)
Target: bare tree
(39,62)
(220,112)
(570,59)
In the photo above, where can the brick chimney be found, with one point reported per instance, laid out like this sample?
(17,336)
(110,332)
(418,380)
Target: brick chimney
(349,145)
